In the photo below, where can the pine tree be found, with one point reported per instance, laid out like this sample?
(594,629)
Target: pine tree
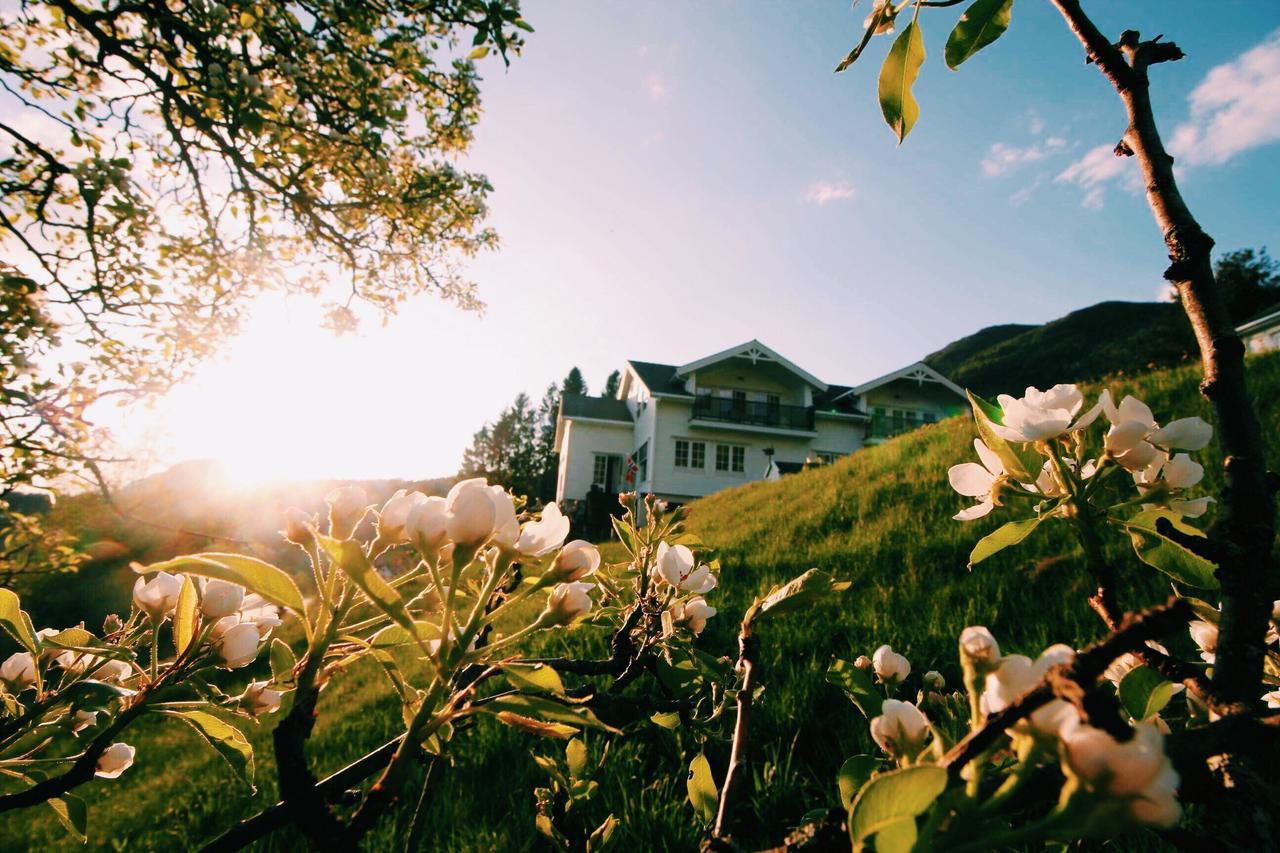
(611,384)
(574,383)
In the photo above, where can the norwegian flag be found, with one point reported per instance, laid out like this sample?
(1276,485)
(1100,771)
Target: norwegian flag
(632,470)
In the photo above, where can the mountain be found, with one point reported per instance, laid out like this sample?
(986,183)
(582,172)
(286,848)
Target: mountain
(1107,339)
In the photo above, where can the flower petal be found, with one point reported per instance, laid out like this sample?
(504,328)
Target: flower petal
(990,460)
(970,479)
(976,511)
(1184,433)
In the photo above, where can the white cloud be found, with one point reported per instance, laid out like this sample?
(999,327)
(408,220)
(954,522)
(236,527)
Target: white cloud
(823,192)
(1095,169)
(656,85)
(1002,159)
(1036,125)
(1236,107)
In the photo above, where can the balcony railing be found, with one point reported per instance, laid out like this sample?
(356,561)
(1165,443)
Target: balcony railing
(753,412)
(887,426)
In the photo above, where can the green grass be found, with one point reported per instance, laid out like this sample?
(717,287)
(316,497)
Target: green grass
(880,518)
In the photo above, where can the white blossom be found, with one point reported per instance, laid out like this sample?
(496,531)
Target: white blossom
(1205,635)
(1018,674)
(567,602)
(347,508)
(575,561)
(694,613)
(471,512)
(426,525)
(238,645)
(158,596)
(978,646)
(394,517)
(19,671)
(541,536)
(900,730)
(82,720)
(886,24)
(220,598)
(297,526)
(261,699)
(506,529)
(114,760)
(1135,440)
(1038,415)
(934,681)
(1137,771)
(977,481)
(890,667)
(676,566)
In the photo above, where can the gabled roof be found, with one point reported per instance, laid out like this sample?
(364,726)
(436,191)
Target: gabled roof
(1266,318)
(755,352)
(660,378)
(595,408)
(919,371)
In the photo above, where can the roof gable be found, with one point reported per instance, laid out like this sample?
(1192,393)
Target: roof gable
(919,371)
(755,352)
(659,378)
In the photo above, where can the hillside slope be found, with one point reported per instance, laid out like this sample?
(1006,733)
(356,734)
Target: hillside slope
(880,518)
(1107,339)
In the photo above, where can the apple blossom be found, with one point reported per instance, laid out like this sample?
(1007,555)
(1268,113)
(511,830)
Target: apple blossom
(890,667)
(934,681)
(979,647)
(864,663)
(1137,770)
(114,760)
(261,699)
(471,512)
(575,561)
(1135,439)
(220,598)
(394,517)
(425,526)
(1272,699)
(886,23)
(238,645)
(1016,675)
(158,596)
(1039,415)
(1205,635)
(506,529)
(978,481)
(694,613)
(900,730)
(19,671)
(82,720)
(567,602)
(539,537)
(347,508)
(676,566)
(297,526)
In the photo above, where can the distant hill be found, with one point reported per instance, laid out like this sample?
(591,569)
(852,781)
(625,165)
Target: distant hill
(1107,339)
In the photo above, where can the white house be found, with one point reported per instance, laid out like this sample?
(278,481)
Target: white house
(1262,333)
(747,413)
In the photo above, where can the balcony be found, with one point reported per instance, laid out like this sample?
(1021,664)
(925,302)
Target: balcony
(757,413)
(887,426)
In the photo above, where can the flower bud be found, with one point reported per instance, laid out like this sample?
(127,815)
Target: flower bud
(158,596)
(1016,675)
(548,532)
(261,699)
(297,527)
(506,530)
(575,561)
(890,667)
(471,513)
(864,663)
(693,613)
(934,681)
(114,760)
(112,623)
(567,602)
(1137,771)
(425,526)
(676,565)
(238,645)
(220,598)
(19,671)
(900,730)
(82,720)
(1205,635)
(347,507)
(394,517)
(979,648)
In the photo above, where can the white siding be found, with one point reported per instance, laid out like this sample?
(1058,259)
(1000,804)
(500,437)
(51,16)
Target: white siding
(581,442)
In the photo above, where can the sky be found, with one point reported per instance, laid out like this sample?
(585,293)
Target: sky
(671,179)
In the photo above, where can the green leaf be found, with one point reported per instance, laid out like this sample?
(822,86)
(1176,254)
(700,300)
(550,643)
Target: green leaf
(1145,692)
(1018,465)
(797,593)
(1154,549)
(225,739)
(350,557)
(980,25)
(16,623)
(184,615)
(857,685)
(1010,533)
(541,728)
(478,52)
(893,797)
(599,839)
(283,661)
(899,72)
(702,788)
(89,695)
(273,584)
(575,756)
(70,638)
(1204,611)
(897,837)
(537,677)
(73,814)
(853,774)
(393,636)
(546,708)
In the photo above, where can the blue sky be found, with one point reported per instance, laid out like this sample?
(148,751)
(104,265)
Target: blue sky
(674,178)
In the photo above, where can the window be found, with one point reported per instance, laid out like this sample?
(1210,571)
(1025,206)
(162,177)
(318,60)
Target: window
(600,471)
(930,417)
(828,456)
(731,457)
(642,463)
(682,453)
(698,458)
(690,454)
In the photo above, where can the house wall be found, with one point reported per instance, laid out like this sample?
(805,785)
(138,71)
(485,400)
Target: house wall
(834,436)
(763,377)
(1264,340)
(908,394)
(581,441)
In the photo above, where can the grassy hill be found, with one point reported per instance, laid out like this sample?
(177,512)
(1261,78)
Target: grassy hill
(1107,339)
(880,518)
